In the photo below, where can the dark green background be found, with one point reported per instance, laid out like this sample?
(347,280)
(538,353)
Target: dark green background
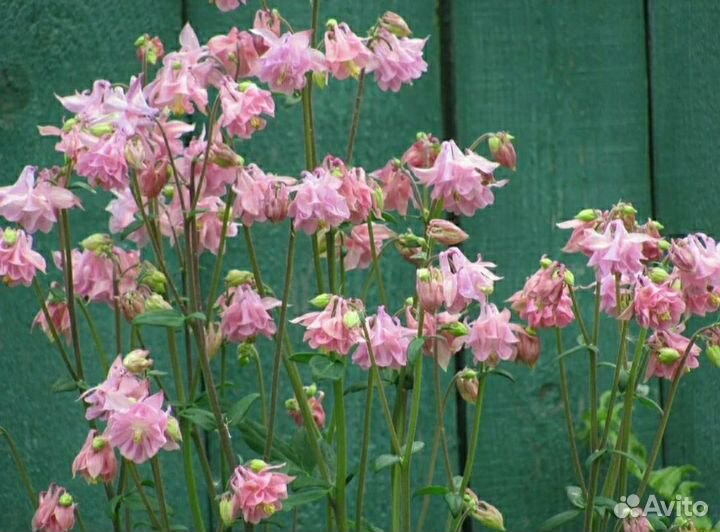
(607,100)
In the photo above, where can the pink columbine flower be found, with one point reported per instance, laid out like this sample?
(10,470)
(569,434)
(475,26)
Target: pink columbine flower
(59,317)
(657,306)
(260,196)
(93,272)
(289,57)
(32,204)
(19,263)
(359,254)
(429,287)
(139,431)
(244,314)
(544,301)
(117,392)
(445,232)
(446,334)
(181,83)
(396,185)
(237,51)
(210,224)
(316,409)
(123,213)
(258,490)
(354,187)
(423,152)
(334,329)
(389,340)
(697,261)
(463,180)
(345,53)
(616,251)
(242,107)
(584,225)
(637,524)
(491,336)
(502,149)
(668,351)
(55,511)
(104,163)
(96,460)
(399,61)
(465,281)
(229,5)
(318,202)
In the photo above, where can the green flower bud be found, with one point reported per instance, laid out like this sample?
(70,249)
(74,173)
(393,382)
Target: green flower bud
(153,278)
(351,319)
(321,300)
(494,144)
(237,277)
(101,129)
(69,124)
(137,361)
(664,245)
(586,215)
(156,302)
(569,278)
(456,329)
(173,430)
(168,191)
(10,236)
(658,275)
(257,465)
(226,508)
(545,263)
(246,352)
(98,443)
(65,500)
(331,23)
(99,243)
(668,356)
(311,390)
(713,353)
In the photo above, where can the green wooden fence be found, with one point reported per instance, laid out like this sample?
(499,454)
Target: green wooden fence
(608,100)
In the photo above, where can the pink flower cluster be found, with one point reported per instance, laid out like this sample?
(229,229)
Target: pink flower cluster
(257,492)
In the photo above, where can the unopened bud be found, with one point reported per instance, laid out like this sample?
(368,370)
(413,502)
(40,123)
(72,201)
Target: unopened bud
(10,236)
(311,390)
(410,240)
(213,338)
(135,154)
(225,157)
(468,385)
(291,405)
(320,79)
(69,124)
(586,215)
(668,355)
(502,149)
(227,510)
(246,352)
(153,278)
(156,302)
(238,277)
(321,300)
(101,129)
(658,275)
(168,191)
(713,353)
(378,198)
(569,278)
(137,361)
(545,263)
(99,243)
(351,319)
(65,500)
(664,245)
(485,513)
(257,465)
(173,430)
(456,329)
(331,23)
(98,443)
(395,24)
(445,232)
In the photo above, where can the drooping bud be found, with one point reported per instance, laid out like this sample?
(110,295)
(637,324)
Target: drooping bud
(456,329)
(173,430)
(156,302)
(445,232)
(528,347)
(587,215)
(429,287)
(153,278)
(351,319)
(135,154)
(311,390)
(238,277)
(658,275)
(213,338)
(321,300)
(149,49)
(545,263)
(137,361)
(98,243)
(225,157)
(227,510)
(713,353)
(246,352)
(395,24)
(502,149)
(467,385)
(484,512)
(257,465)
(98,443)
(168,191)
(668,355)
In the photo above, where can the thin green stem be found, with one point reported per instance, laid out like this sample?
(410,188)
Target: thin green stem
(95,335)
(374,255)
(364,452)
(143,496)
(410,439)
(20,466)
(116,313)
(261,390)
(160,491)
(217,270)
(474,436)
(190,482)
(355,119)
(204,465)
(247,233)
(53,331)
(341,453)
(70,291)
(317,264)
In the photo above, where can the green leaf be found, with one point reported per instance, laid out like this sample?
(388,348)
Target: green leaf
(196,316)
(455,503)
(433,491)
(604,502)
(202,418)
(575,349)
(575,496)
(386,460)
(502,373)
(130,229)
(558,520)
(357,387)
(415,349)
(66,384)
(649,403)
(157,373)
(240,409)
(326,369)
(304,497)
(304,357)
(595,456)
(170,318)
(657,523)
(389,218)
(417,446)
(81,185)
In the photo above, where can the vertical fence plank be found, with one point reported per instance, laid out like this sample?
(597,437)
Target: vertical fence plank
(568,80)
(388,125)
(685,70)
(54,48)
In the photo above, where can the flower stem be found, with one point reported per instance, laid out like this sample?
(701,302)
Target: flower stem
(160,491)
(565,393)
(341,465)
(217,270)
(143,496)
(65,240)
(53,331)
(356,119)
(190,483)
(261,390)
(316,263)
(364,452)
(20,466)
(376,266)
(409,441)
(95,335)
(253,260)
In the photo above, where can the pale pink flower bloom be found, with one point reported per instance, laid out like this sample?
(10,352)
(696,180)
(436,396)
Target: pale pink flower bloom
(244,314)
(242,107)
(396,185)
(399,61)
(657,306)
(87,104)
(465,281)
(51,515)
(430,289)
(389,340)
(258,492)
(357,243)
(260,196)
(289,57)
(345,53)
(354,188)
(96,460)
(123,213)
(32,204)
(237,51)
(673,340)
(210,224)
(104,163)
(93,272)
(181,83)
(697,261)
(117,392)
(491,336)
(528,347)
(129,111)
(637,524)
(616,250)
(59,316)
(267,19)
(229,5)
(423,152)
(139,432)
(463,180)
(440,343)
(316,408)
(544,301)
(580,233)
(19,263)
(318,202)
(326,329)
